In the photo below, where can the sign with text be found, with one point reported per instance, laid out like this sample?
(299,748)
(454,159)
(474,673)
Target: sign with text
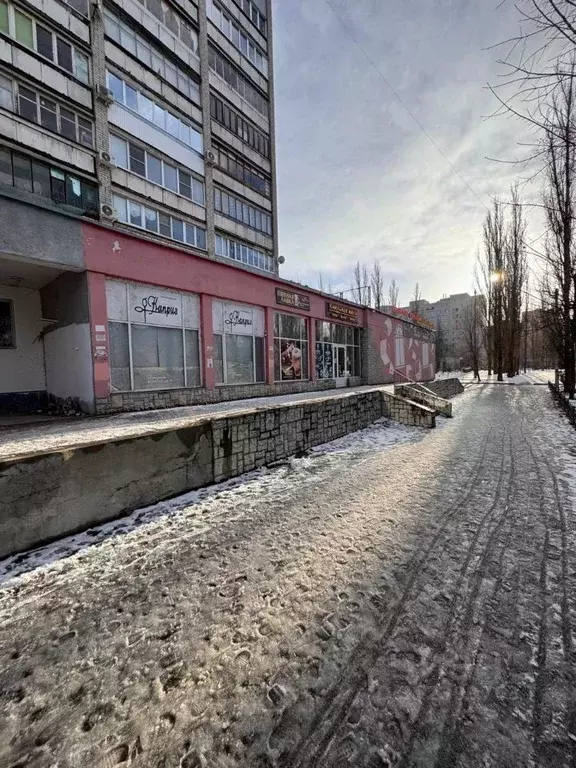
(291,299)
(341,312)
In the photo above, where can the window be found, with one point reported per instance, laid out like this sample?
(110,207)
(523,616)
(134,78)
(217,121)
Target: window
(237,81)
(137,215)
(238,343)
(399,356)
(338,350)
(235,123)
(254,14)
(154,113)
(7,333)
(235,34)
(175,23)
(78,5)
(27,31)
(240,169)
(152,349)
(151,56)
(132,157)
(234,208)
(247,254)
(49,182)
(290,347)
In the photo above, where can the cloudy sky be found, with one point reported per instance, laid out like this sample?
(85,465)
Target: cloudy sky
(357,177)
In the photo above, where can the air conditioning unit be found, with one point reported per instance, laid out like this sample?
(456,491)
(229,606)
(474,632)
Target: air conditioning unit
(211,158)
(105,158)
(107,212)
(104,94)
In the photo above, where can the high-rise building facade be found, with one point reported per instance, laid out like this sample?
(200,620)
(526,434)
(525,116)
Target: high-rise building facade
(138,234)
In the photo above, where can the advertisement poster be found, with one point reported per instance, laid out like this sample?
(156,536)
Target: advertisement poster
(291,360)
(324,365)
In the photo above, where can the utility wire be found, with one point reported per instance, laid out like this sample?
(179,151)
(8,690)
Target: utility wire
(379,72)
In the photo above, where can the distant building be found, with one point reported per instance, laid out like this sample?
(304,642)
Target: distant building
(448,315)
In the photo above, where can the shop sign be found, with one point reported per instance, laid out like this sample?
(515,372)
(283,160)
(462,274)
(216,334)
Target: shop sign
(341,312)
(290,299)
(238,318)
(155,306)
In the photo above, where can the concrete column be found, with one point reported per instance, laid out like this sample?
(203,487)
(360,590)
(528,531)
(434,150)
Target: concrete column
(269,341)
(207,339)
(102,134)
(206,125)
(99,319)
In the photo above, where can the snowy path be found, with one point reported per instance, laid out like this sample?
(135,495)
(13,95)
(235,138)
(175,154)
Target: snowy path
(360,607)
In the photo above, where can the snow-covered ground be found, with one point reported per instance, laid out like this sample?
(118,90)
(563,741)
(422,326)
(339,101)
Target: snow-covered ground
(530,377)
(399,597)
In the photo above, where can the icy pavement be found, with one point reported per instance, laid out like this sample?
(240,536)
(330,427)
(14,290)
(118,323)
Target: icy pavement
(29,439)
(399,598)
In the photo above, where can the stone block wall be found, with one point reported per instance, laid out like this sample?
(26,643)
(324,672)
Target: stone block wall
(249,441)
(446,388)
(420,394)
(407,411)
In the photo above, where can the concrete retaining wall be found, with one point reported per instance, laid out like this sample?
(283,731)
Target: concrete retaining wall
(420,394)
(49,495)
(407,411)
(446,388)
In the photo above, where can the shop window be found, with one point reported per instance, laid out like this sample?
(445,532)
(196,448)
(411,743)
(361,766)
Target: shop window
(239,356)
(7,332)
(158,357)
(338,353)
(290,348)
(119,356)
(193,377)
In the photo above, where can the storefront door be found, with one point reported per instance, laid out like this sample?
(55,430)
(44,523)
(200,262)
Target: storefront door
(341,367)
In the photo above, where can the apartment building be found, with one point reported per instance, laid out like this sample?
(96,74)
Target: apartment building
(138,236)
(448,316)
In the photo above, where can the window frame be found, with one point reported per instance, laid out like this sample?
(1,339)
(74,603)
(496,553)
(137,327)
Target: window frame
(199,231)
(234,208)
(17,87)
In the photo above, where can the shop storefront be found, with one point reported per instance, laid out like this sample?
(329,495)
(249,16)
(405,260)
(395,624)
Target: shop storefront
(338,346)
(238,343)
(153,337)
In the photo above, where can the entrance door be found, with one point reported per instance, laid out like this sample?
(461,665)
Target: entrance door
(341,367)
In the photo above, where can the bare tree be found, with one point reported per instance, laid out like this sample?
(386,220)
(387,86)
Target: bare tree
(472,332)
(416,299)
(393,293)
(377,283)
(513,280)
(492,271)
(557,288)
(442,349)
(361,286)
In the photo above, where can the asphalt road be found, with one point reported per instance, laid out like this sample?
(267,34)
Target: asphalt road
(403,607)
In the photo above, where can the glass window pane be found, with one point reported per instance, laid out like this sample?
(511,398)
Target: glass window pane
(81,67)
(146,107)
(151,220)
(27,104)
(305,370)
(6,167)
(173,125)
(90,199)
(158,357)
(64,54)
(218,359)
(41,180)
(143,52)
(185,133)
(178,230)
(116,86)
(135,214)
(192,359)
(7,335)
(22,173)
(23,29)
(119,356)
(239,359)
(119,151)
(120,206)
(154,169)
(339,333)
(48,117)
(170,177)
(159,117)
(58,183)
(259,359)
(165,225)
(3,17)
(201,238)
(198,191)
(185,184)
(131,98)
(68,124)
(137,160)
(73,191)
(44,42)
(6,100)
(190,234)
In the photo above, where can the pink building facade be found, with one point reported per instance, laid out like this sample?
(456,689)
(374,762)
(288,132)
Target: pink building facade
(168,328)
